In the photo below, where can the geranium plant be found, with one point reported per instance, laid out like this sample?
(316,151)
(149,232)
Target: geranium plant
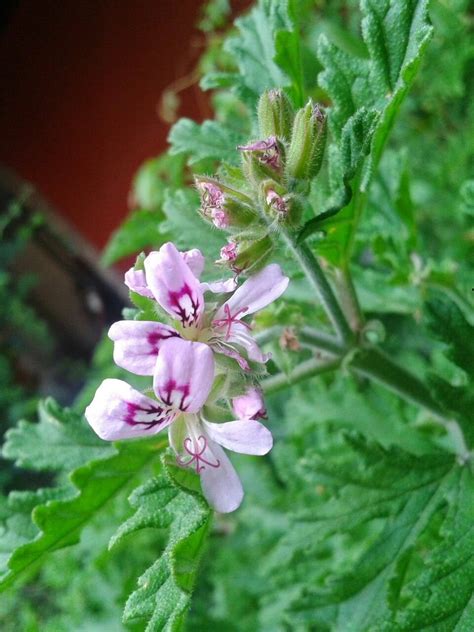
(304,297)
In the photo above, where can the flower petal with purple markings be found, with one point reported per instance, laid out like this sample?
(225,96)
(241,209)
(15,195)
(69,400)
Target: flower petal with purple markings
(174,285)
(184,374)
(137,344)
(255,293)
(118,412)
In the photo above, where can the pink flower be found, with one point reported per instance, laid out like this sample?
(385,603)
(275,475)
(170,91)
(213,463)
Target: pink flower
(181,387)
(267,150)
(172,278)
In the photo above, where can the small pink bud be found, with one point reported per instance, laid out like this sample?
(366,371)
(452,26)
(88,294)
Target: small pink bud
(211,195)
(268,150)
(219,218)
(277,202)
(229,252)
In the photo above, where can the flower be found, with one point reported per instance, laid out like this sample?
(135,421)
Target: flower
(181,385)
(212,203)
(268,151)
(172,278)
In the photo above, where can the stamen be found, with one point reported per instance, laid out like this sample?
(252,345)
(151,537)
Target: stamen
(195,452)
(230,319)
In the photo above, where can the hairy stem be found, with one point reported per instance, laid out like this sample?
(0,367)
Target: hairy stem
(317,278)
(348,298)
(303,371)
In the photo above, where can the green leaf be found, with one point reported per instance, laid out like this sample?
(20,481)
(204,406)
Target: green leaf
(449,324)
(59,521)
(396,33)
(267,53)
(209,141)
(164,592)
(186,226)
(141,229)
(409,523)
(60,441)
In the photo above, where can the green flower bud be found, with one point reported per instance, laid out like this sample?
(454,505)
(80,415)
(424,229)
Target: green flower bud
(251,255)
(308,139)
(254,169)
(279,204)
(222,205)
(275,114)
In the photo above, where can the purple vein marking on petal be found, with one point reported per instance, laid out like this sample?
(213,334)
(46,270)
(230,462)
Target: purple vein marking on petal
(182,310)
(172,387)
(155,337)
(153,415)
(196,455)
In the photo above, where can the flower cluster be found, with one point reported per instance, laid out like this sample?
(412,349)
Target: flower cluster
(186,363)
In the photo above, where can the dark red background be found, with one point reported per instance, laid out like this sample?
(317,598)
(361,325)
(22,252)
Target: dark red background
(80,86)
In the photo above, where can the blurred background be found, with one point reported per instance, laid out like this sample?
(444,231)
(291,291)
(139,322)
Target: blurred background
(89,90)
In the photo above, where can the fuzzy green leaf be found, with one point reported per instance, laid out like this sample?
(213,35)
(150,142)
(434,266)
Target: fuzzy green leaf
(164,590)
(416,514)
(59,442)
(209,141)
(396,33)
(59,515)
(187,227)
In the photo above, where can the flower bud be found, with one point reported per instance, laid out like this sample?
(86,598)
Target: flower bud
(308,140)
(246,254)
(268,152)
(280,204)
(223,206)
(275,114)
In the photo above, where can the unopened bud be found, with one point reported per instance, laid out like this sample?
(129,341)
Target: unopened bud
(275,114)
(221,205)
(308,139)
(283,206)
(268,152)
(229,252)
(251,255)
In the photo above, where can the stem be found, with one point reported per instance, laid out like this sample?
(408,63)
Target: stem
(318,280)
(377,366)
(303,371)
(321,340)
(348,298)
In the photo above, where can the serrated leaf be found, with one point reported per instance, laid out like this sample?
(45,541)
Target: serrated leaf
(209,141)
(59,442)
(141,229)
(449,324)
(187,227)
(412,510)
(59,522)
(254,49)
(163,596)
(396,33)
